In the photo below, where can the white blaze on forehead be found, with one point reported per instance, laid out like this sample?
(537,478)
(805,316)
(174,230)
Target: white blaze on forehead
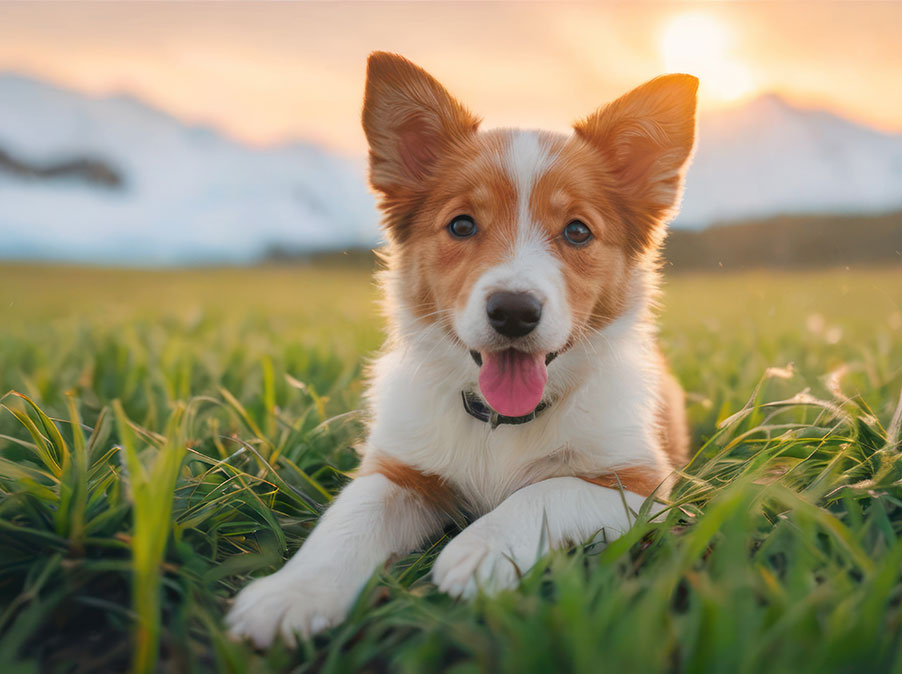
(527,158)
(531,265)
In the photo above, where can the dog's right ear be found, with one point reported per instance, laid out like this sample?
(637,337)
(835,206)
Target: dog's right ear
(409,119)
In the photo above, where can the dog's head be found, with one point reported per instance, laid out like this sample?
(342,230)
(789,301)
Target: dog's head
(519,243)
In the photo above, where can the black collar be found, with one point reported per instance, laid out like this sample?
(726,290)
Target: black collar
(476,408)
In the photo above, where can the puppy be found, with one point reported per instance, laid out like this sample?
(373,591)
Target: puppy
(521,381)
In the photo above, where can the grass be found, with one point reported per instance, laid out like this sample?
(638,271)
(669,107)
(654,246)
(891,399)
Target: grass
(173,434)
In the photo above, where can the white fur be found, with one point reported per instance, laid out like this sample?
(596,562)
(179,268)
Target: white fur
(370,521)
(530,267)
(492,553)
(526,159)
(602,418)
(603,394)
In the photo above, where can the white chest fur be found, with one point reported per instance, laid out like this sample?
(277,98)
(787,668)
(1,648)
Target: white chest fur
(602,414)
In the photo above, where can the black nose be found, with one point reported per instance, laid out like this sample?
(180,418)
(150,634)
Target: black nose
(513,314)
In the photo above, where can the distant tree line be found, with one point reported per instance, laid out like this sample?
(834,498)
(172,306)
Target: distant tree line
(798,241)
(788,241)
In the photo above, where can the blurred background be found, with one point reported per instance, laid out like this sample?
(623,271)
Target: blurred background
(186,272)
(180,133)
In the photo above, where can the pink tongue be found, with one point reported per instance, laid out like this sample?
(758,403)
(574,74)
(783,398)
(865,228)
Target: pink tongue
(512,382)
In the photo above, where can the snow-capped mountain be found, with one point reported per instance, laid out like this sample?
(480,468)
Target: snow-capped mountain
(188,194)
(114,180)
(769,158)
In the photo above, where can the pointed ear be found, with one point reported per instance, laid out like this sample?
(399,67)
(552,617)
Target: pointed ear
(646,138)
(409,119)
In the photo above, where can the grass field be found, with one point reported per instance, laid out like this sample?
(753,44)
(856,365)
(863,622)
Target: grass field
(174,433)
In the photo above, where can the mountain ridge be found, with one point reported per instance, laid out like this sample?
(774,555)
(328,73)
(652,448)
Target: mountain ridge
(192,193)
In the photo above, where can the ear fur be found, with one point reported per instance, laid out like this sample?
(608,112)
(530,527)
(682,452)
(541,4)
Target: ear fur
(646,138)
(409,120)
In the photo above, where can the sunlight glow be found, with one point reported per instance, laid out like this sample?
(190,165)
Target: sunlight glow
(700,44)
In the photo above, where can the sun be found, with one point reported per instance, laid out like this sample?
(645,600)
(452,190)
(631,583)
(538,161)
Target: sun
(700,44)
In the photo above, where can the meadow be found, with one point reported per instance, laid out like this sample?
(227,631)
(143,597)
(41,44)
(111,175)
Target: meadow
(170,434)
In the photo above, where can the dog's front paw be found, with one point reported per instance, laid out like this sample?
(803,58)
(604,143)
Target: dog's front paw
(287,605)
(478,561)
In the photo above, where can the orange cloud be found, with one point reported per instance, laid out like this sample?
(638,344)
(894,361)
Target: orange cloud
(278,71)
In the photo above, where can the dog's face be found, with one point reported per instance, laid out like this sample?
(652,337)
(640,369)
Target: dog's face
(519,243)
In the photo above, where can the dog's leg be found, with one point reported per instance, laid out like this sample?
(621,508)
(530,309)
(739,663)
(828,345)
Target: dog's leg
(371,520)
(492,553)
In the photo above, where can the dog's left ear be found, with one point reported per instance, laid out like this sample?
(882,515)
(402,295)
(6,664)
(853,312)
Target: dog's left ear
(646,138)
(409,120)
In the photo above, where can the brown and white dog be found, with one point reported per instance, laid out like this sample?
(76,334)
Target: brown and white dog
(522,380)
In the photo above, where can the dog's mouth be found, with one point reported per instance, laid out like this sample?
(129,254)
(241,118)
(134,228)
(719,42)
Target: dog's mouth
(511,381)
(477,357)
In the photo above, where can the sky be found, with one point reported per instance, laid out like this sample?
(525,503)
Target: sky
(268,73)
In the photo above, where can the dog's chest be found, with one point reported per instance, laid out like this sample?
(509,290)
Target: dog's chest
(485,466)
(420,420)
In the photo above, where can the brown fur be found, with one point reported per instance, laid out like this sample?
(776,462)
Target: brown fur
(620,174)
(646,137)
(577,187)
(438,269)
(674,429)
(432,489)
(642,481)
(411,123)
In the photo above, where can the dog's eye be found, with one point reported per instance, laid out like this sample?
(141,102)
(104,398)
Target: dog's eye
(462,227)
(577,233)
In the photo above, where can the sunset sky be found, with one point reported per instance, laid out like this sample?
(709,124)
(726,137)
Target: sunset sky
(271,72)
